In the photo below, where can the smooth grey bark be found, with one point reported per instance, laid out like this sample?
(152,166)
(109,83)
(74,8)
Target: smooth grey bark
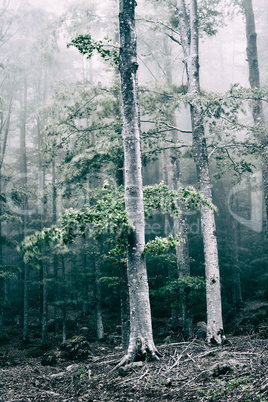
(190,43)
(141,336)
(257,109)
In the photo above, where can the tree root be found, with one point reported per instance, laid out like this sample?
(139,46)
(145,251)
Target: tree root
(138,354)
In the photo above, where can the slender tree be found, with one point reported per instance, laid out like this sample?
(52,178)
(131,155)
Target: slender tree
(257,109)
(190,43)
(23,167)
(4,128)
(141,336)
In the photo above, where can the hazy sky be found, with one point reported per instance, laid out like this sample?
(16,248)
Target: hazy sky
(55,6)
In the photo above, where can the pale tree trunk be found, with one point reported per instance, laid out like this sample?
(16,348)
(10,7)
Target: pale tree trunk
(141,336)
(257,109)
(189,33)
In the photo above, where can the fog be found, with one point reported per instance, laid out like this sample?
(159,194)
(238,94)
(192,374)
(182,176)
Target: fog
(61,145)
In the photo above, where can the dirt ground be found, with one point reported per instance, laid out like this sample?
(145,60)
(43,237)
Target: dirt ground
(187,371)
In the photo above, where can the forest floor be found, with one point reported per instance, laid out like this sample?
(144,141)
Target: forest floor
(187,371)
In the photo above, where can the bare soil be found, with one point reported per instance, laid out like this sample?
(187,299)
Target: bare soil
(187,371)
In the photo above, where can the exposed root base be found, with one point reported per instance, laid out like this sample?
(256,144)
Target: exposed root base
(137,355)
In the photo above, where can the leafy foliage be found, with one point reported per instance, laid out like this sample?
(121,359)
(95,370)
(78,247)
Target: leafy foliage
(86,46)
(159,245)
(106,218)
(174,292)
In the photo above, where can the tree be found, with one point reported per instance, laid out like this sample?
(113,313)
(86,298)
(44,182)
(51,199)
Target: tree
(190,42)
(173,158)
(4,128)
(257,109)
(141,335)
(23,168)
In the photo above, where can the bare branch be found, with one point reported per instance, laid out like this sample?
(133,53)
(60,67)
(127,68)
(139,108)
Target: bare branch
(168,125)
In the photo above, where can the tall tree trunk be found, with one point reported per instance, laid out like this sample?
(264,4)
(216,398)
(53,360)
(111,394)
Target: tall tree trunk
(190,41)
(141,335)
(5,129)
(23,168)
(257,109)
